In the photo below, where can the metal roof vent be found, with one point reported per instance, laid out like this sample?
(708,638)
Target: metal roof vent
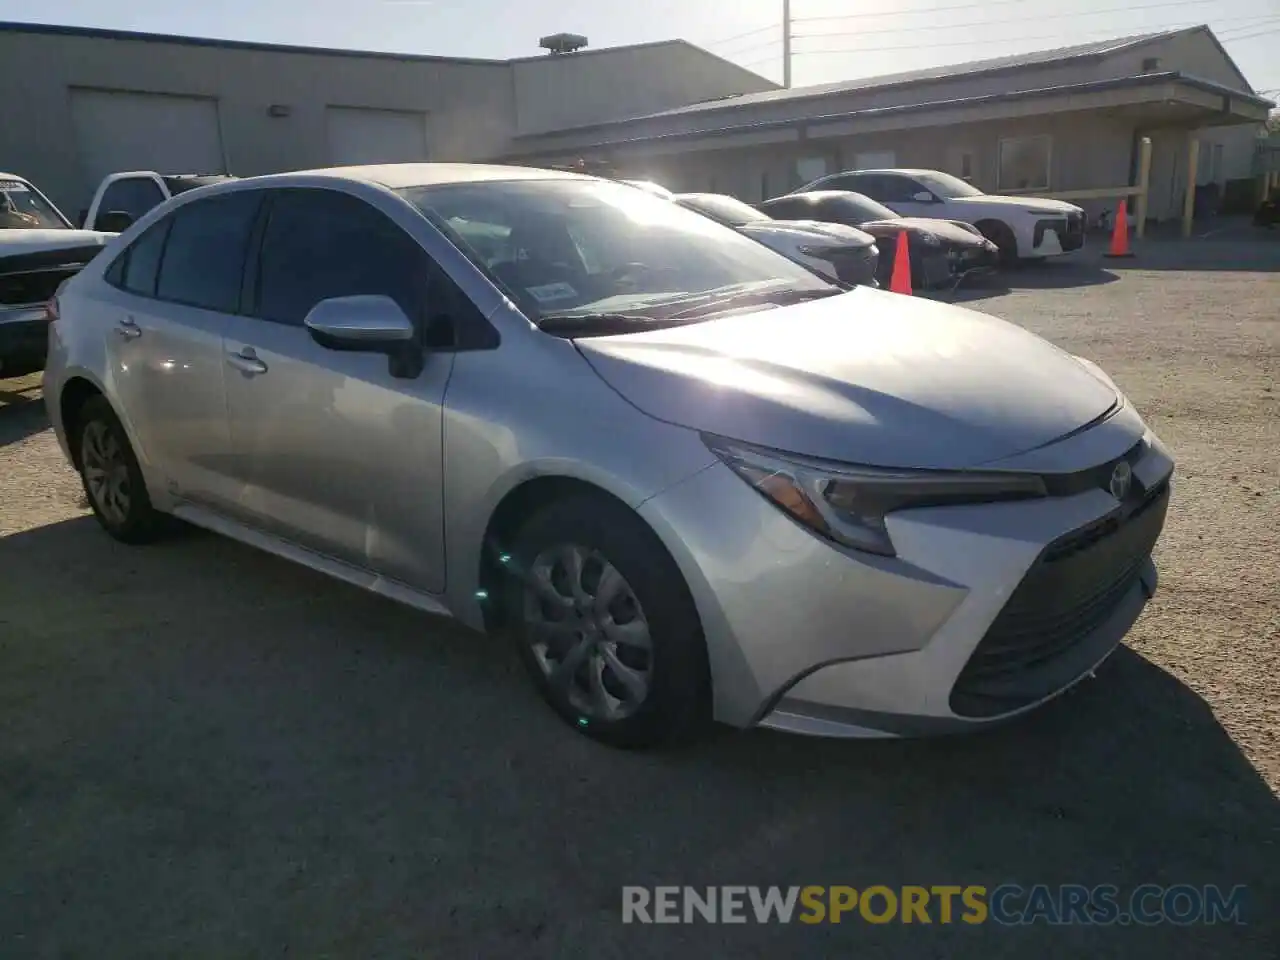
(559,44)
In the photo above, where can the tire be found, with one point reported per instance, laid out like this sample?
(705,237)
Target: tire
(999,234)
(112,479)
(551,630)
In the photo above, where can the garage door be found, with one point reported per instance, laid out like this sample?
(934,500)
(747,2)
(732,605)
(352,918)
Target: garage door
(359,135)
(142,131)
(874,160)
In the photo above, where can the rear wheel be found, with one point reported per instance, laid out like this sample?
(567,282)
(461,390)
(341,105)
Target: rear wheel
(1000,234)
(605,625)
(111,476)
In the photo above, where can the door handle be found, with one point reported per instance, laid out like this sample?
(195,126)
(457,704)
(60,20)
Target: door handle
(247,362)
(128,328)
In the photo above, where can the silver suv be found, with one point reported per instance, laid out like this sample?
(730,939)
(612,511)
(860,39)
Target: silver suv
(690,478)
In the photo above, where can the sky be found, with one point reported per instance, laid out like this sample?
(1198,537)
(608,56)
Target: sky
(834,39)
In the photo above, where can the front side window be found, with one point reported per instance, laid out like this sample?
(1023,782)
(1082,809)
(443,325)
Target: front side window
(573,247)
(1024,163)
(21,208)
(727,210)
(134,196)
(320,244)
(203,264)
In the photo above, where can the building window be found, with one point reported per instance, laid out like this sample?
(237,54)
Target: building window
(1024,163)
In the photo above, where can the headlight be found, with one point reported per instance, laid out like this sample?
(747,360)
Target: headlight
(848,504)
(1043,212)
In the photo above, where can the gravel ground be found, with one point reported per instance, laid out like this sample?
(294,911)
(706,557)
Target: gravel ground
(206,752)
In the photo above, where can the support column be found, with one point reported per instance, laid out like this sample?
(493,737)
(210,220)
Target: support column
(1144,185)
(1193,168)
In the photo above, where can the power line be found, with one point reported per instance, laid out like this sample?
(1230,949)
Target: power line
(741,36)
(1253,36)
(1100,35)
(988,23)
(911,10)
(1226,37)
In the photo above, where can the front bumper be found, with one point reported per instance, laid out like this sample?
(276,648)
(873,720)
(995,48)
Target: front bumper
(1057,235)
(805,636)
(24,338)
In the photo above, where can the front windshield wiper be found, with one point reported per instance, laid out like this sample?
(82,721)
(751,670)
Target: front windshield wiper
(595,323)
(746,298)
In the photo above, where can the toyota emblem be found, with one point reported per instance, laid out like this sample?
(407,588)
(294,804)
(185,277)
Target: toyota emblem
(1121,480)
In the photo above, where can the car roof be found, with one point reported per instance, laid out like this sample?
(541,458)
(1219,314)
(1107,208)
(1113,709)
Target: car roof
(13,176)
(399,175)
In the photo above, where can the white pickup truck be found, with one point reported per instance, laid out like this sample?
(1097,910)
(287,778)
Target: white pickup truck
(122,198)
(39,248)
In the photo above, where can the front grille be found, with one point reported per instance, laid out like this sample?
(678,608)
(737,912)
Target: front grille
(858,266)
(1071,590)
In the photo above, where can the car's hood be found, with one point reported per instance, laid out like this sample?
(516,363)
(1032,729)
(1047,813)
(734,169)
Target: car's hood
(1036,203)
(808,231)
(945,229)
(17,242)
(865,377)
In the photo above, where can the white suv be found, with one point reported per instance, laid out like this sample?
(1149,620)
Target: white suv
(1022,227)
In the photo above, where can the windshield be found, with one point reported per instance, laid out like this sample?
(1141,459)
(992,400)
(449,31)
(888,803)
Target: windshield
(946,186)
(727,210)
(21,208)
(864,208)
(589,247)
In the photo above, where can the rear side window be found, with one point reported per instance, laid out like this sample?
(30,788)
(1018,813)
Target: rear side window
(135,196)
(136,268)
(203,263)
(320,244)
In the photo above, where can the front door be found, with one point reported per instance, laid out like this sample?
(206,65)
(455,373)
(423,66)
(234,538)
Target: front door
(332,452)
(179,285)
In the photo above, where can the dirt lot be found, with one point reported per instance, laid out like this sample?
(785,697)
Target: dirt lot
(205,752)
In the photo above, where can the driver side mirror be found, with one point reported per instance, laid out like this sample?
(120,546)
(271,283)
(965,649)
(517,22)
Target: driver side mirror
(367,324)
(114,221)
(923,196)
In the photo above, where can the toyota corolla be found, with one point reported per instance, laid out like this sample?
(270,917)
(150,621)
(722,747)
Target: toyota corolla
(687,476)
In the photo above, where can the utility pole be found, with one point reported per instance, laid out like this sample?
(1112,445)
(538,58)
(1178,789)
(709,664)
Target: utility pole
(786,43)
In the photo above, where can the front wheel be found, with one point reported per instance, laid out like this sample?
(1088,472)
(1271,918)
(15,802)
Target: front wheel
(605,625)
(1000,234)
(111,476)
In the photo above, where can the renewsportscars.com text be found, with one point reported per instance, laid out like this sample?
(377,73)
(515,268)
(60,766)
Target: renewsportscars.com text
(1007,904)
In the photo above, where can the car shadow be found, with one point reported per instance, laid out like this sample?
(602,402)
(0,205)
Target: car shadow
(206,745)
(22,412)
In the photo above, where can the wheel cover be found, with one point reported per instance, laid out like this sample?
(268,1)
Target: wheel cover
(106,472)
(588,632)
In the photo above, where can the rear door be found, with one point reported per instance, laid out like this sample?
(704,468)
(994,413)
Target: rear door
(178,286)
(332,452)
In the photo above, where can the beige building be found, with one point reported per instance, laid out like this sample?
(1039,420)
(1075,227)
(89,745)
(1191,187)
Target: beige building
(81,103)
(1059,121)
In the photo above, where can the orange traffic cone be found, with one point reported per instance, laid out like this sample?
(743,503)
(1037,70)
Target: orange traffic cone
(1120,233)
(900,279)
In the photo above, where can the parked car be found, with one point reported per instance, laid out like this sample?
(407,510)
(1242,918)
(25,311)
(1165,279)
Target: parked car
(842,253)
(686,476)
(657,189)
(122,198)
(941,251)
(38,250)
(1022,227)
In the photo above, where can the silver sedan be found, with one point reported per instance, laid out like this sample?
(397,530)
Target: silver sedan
(690,478)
